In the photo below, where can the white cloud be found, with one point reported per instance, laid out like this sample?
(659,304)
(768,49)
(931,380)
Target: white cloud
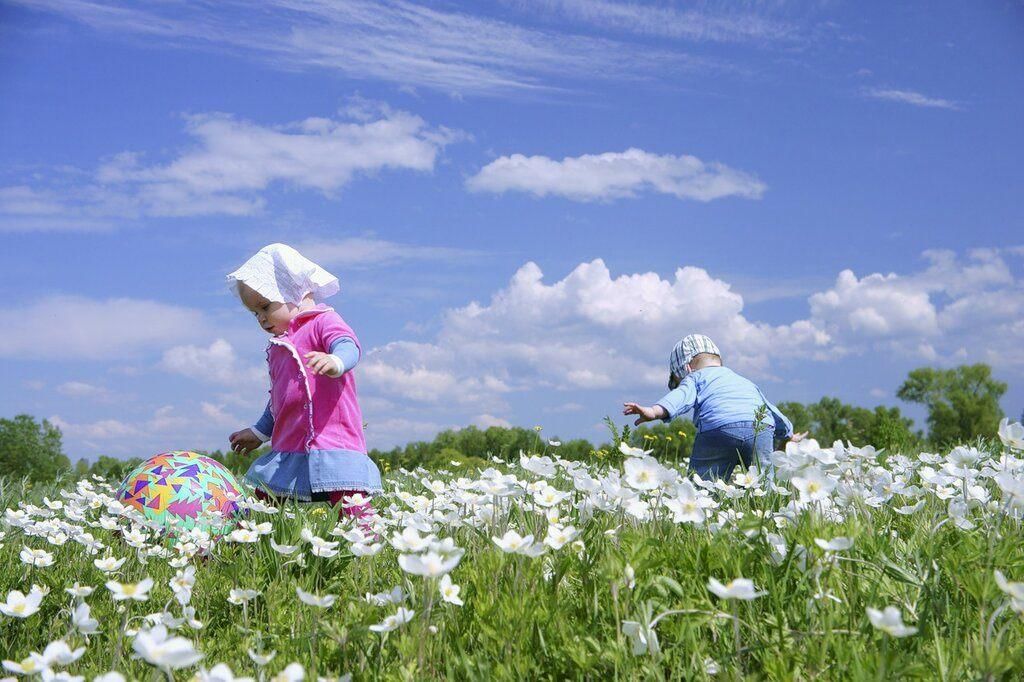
(909,97)
(586,331)
(614,175)
(972,303)
(690,24)
(216,363)
(75,327)
(103,429)
(592,331)
(81,389)
(485,421)
(875,306)
(357,252)
(217,415)
(228,168)
(394,41)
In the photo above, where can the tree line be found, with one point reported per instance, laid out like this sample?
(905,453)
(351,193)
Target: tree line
(962,405)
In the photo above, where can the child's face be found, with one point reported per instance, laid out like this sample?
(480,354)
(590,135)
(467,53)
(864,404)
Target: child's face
(272,316)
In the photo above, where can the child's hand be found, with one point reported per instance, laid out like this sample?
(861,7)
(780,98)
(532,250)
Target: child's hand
(244,441)
(647,414)
(797,437)
(321,363)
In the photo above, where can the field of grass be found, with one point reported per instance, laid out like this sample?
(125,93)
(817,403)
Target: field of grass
(546,569)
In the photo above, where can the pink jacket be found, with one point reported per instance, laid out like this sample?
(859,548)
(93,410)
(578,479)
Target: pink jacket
(312,411)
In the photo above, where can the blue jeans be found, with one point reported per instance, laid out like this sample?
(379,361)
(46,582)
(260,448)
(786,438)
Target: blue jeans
(716,452)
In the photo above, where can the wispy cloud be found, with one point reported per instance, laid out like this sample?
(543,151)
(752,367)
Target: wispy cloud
(910,97)
(74,327)
(391,40)
(613,175)
(362,252)
(226,172)
(731,24)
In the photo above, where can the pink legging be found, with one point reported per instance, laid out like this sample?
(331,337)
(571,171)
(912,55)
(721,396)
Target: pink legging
(356,511)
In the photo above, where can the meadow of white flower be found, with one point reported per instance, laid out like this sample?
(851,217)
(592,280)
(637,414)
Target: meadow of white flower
(840,562)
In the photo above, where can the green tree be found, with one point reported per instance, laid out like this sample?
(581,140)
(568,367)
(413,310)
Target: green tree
(962,403)
(32,449)
(830,419)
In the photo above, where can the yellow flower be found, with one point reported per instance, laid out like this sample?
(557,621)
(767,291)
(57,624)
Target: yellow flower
(538,428)
(668,438)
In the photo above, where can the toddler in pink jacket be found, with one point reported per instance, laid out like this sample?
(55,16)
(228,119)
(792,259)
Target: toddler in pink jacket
(312,419)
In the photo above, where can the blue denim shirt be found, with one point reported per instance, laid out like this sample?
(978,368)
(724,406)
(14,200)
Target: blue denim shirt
(719,396)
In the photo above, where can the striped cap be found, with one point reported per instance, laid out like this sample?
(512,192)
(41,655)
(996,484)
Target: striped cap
(687,348)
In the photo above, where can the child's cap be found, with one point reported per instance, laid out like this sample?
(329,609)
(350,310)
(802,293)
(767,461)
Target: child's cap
(280,273)
(687,348)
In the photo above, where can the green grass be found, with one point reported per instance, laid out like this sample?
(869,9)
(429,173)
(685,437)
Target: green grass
(519,623)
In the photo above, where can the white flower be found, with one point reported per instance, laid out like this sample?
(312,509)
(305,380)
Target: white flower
(450,591)
(839,544)
(156,648)
(395,596)
(711,667)
(628,451)
(83,620)
(363,550)
(27,666)
(644,473)
(18,605)
(58,653)
(642,636)
(323,602)
(238,597)
(283,549)
(741,588)
(431,564)
(108,564)
(512,542)
(401,617)
(261,659)
(112,676)
(181,584)
(410,540)
(629,575)
(137,591)
(1013,590)
(243,535)
(39,558)
(323,548)
(1012,435)
(293,673)
(80,591)
(559,536)
(890,622)
(814,485)
(219,673)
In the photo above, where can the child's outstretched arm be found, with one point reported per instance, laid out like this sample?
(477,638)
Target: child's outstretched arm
(678,401)
(647,414)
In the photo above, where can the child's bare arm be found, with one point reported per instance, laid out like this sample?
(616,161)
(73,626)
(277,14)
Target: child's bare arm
(647,414)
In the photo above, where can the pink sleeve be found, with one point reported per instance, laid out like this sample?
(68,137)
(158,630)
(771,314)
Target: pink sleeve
(331,328)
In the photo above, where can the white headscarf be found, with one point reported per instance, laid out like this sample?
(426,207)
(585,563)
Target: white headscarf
(280,273)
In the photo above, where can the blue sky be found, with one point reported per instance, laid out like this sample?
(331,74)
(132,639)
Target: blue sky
(527,203)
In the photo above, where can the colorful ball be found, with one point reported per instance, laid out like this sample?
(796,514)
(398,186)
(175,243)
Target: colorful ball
(179,490)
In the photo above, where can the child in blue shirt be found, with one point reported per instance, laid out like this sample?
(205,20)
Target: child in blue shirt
(722,404)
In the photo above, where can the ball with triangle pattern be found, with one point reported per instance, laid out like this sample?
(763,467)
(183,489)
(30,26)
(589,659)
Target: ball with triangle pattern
(180,490)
